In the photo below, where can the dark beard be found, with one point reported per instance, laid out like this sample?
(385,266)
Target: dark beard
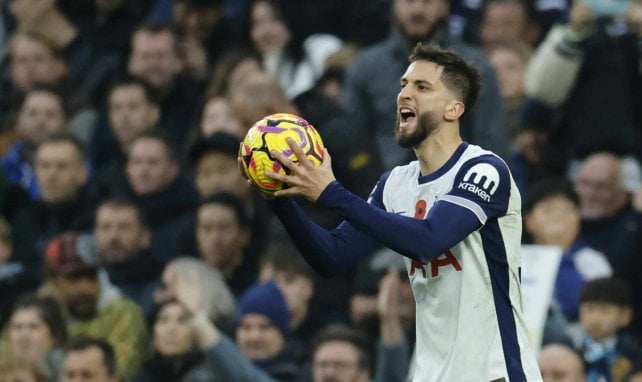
(426,124)
(82,307)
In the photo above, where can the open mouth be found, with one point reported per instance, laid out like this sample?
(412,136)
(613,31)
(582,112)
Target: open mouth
(406,115)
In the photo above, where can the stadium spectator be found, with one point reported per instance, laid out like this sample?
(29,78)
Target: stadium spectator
(94,307)
(510,61)
(132,109)
(342,354)
(175,354)
(86,356)
(157,185)
(36,330)
(282,264)
(222,235)
(86,69)
(187,274)
(576,65)
(155,57)
(371,104)
(561,363)
(552,217)
(41,114)
(508,21)
(215,167)
(66,201)
(123,241)
(609,222)
(605,312)
(32,59)
(293,59)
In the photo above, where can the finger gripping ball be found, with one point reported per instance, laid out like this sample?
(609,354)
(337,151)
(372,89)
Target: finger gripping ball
(270,133)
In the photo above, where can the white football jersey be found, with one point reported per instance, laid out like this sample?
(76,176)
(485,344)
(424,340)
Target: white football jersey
(469,314)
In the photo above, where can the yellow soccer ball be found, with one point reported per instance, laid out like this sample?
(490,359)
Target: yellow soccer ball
(269,134)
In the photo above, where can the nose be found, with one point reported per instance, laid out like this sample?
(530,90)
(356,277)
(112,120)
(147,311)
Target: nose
(404,93)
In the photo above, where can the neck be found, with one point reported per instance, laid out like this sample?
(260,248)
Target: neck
(437,148)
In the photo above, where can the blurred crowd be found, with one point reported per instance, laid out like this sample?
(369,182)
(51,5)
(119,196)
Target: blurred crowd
(132,249)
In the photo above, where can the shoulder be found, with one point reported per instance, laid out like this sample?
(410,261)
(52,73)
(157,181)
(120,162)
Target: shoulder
(405,172)
(485,162)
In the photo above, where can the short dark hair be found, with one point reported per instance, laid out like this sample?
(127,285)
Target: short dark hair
(286,259)
(126,79)
(219,142)
(155,29)
(49,311)
(342,333)
(125,202)
(161,137)
(458,75)
(52,89)
(65,137)
(547,188)
(608,290)
(83,343)
(231,201)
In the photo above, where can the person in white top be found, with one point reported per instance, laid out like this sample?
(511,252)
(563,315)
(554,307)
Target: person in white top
(454,213)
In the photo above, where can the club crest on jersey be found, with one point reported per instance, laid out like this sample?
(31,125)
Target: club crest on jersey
(482,180)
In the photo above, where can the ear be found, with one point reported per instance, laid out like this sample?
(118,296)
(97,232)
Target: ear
(626,315)
(454,110)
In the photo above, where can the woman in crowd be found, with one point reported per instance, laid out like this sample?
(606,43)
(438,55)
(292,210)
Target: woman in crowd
(36,330)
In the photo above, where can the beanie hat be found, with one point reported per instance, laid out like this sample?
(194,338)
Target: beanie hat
(266,299)
(71,253)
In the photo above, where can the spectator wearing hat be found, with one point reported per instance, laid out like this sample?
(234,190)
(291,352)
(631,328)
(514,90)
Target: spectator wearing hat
(94,306)
(263,332)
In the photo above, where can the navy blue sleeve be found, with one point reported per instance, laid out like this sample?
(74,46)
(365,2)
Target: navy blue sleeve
(422,240)
(480,192)
(483,186)
(327,252)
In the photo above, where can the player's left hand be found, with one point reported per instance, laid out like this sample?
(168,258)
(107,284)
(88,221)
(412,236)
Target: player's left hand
(305,179)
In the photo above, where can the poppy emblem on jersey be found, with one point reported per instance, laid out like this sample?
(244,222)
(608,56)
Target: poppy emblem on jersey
(482,180)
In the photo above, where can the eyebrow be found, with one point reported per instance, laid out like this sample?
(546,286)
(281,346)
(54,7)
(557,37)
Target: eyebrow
(416,82)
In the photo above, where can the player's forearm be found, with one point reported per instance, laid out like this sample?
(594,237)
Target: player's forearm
(327,252)
(421,240)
